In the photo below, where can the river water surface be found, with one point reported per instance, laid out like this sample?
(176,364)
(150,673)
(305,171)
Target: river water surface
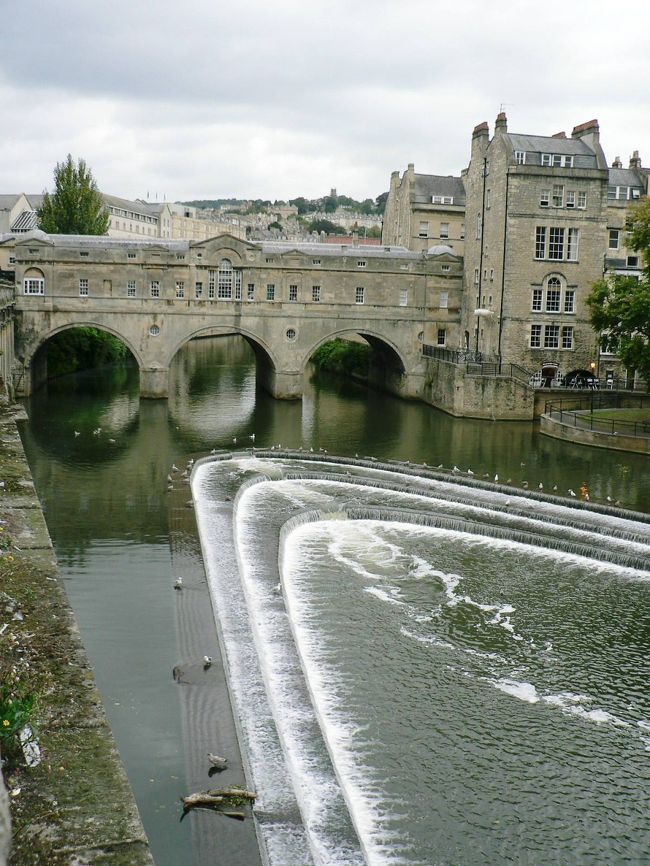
(470,699)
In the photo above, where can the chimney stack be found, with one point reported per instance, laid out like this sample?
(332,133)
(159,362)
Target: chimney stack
(617,162)
(501,123)
(635,160)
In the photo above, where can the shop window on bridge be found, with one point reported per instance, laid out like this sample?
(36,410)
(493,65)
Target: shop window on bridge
(198,290)
(83,288)
(250,292)
(34,283)
(180,288)
(359,295)
(293,292)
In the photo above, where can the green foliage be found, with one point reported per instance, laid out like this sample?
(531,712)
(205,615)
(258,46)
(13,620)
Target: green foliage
(620,306)
(343,356)
(380,202)
(638,225)
(82,349)
(326,226)
(17,709)
(76,207)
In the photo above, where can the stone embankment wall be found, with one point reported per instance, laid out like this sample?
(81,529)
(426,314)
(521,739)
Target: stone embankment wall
(75,805)
(7,302)
(497,398)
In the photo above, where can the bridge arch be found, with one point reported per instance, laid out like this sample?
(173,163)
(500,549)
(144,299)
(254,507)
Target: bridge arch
(266,358)
(34,360)
(388,369)
(378,342)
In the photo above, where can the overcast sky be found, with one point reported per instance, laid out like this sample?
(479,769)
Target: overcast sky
(280,98)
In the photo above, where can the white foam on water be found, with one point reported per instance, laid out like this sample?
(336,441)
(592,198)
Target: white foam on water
(370,811)
(429,639)
(524,691)
(389,595)
(568,702)
(315,790)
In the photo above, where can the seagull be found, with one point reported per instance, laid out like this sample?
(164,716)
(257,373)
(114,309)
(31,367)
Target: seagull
(540,485)
(178,583)
(77,433)
(97,431)
(207,661)
(252,437)
(169,479)
(571,492)
(455,469)
(112,441)
(440,466)
(555,487)
(522,464)
(469,472)
(217,762)
(496,478)
(234,439)
(609,498)
(524,484)
(174,467)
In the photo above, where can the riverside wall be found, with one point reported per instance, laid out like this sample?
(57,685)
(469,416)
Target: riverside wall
(75,805)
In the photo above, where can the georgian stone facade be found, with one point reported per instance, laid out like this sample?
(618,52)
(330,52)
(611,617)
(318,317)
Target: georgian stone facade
(542,219)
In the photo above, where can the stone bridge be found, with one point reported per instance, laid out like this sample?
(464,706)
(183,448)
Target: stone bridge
(285,299)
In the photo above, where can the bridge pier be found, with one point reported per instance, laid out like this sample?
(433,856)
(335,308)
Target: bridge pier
(281,384)
(154,382)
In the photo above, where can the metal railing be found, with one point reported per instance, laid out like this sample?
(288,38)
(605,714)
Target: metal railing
(578,412)
(477,364)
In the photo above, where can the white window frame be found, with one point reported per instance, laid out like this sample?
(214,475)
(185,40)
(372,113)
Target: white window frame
(553,295)
(315,294)
(551,336)
(520,157)
(423,231)
(130,289)
(444,231)
(567,337)
(34,286)
(362,263)
(83,287)
(198,290)
(293,292)
(444,301)
(545,198)
(270,291)
(571,198)
(359,295)
(403,297)
(537,299)
(441,337)
(614,234)
(535,336)
(154,288)
(558,195)
(582,200)
(250,291)
(180,289)
(569,300)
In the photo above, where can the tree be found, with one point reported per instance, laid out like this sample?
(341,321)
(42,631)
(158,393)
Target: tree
(76,207)
(620,305)
(326,226)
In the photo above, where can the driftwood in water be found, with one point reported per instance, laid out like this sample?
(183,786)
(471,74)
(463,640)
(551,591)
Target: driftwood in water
(221,800)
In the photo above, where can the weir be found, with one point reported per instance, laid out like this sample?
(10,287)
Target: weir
(285,717)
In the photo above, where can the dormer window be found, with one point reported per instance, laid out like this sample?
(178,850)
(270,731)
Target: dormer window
(520,157)
(557,160)
(442,199)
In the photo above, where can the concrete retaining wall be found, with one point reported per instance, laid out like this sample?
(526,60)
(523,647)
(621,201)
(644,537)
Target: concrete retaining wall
(595,438)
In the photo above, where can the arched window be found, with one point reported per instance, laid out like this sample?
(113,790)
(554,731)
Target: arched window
(228,281)
(33,282)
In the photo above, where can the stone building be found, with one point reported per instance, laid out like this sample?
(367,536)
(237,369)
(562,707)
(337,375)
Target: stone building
(538,220)
(133,219)
(424,210)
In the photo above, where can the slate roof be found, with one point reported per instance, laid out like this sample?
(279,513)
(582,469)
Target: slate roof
(428,185)
(548,144)
(319,250)
(625,177)
(135,206)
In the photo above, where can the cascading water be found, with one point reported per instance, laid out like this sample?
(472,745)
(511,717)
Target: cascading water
(428,671)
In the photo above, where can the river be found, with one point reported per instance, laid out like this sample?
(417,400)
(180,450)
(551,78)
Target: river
(100,459)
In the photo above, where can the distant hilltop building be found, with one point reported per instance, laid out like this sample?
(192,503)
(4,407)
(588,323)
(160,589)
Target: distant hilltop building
(538,220)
